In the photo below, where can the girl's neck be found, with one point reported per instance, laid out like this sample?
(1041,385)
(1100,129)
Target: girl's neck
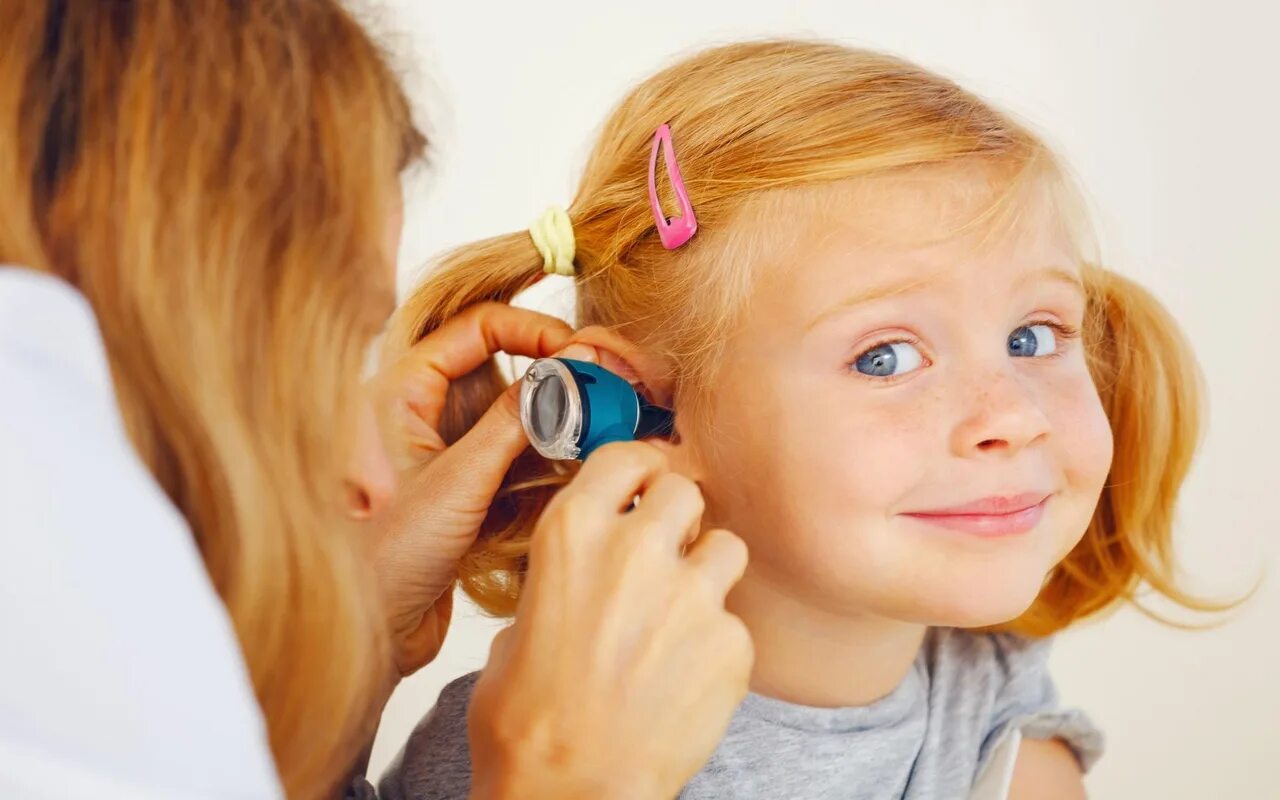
(818,657)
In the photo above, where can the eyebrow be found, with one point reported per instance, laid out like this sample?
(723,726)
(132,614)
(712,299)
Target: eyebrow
(871,294)
(1054,274)
(889,289)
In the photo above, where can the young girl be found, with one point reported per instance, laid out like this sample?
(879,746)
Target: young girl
(943,431)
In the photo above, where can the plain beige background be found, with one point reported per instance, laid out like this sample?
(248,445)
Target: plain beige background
(1167,113)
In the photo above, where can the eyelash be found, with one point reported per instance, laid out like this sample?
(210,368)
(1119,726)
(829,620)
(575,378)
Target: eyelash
(1062,331)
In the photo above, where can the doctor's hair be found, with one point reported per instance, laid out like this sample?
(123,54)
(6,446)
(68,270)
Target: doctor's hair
(216,178)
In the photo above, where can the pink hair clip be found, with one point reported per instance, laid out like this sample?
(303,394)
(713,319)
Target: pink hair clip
(673,231)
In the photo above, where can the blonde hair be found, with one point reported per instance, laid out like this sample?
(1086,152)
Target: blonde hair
(217,179)
(763,119)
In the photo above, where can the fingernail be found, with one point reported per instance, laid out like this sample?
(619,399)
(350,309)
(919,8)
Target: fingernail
(579,352)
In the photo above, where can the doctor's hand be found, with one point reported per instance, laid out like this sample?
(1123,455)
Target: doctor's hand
(623,668)
(437,494)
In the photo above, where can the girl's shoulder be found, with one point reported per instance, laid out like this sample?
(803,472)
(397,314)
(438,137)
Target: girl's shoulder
(999,683)
(435,763)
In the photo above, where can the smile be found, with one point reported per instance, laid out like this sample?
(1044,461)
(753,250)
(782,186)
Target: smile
(989,517)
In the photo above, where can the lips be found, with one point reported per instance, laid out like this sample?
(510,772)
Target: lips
(1002,515)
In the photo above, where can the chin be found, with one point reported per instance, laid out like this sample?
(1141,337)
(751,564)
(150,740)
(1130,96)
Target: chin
(979,603)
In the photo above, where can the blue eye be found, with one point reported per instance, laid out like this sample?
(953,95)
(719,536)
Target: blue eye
(887,360)
(1033,341)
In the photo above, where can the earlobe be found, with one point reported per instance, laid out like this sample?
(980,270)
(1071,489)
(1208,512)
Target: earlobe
(370,480)
(680,456)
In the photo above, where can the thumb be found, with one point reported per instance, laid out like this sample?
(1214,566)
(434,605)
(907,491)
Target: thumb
(476,463)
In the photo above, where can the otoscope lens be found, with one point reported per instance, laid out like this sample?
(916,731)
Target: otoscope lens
(550,406)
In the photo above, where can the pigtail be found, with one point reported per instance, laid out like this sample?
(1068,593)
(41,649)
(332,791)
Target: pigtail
(1152,391)
(493,270)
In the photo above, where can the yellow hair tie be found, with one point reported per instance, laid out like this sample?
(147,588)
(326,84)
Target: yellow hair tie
(553,236)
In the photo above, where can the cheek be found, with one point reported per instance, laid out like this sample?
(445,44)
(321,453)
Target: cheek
(1081,450)
(1084,442)
(863,454)
(835,462)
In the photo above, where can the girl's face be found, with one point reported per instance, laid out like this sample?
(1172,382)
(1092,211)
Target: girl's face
(909,430)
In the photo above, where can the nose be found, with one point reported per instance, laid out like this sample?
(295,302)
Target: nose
(370,476)
(1001,416)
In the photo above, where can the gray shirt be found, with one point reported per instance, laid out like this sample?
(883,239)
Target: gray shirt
(929,738)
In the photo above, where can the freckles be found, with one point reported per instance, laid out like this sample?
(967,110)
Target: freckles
(886,428)
(919,425)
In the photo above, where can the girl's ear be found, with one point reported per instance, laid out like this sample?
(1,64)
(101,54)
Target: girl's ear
(653,376)
(646,371)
